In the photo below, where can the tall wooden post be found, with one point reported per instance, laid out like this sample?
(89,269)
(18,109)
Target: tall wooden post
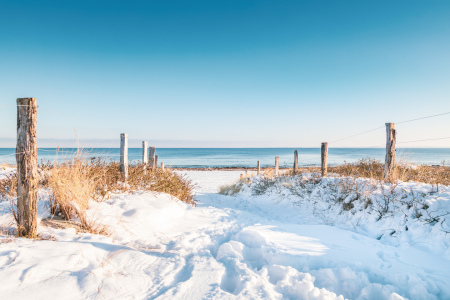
(389,163)
(151,157)
(26,158)
(124,155)
(277,165)
(144,156)
(259,168)
(295,161)
(144,152)
(324,159)
(156,161)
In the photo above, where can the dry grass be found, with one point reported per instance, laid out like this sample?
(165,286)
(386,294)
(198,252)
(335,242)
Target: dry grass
(8,187)
(371,168)
(72,185)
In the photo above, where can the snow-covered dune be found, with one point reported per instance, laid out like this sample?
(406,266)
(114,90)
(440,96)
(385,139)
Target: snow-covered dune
(241,247)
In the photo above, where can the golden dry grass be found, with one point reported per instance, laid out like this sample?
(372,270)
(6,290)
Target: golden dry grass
(72,185)
(371,168)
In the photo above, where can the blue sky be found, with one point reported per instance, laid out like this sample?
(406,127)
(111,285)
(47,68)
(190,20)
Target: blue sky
(226,73)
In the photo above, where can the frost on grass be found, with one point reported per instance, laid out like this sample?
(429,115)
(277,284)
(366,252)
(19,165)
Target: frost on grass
(396,212)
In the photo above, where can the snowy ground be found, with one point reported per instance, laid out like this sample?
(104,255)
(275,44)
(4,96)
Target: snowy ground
(241,247)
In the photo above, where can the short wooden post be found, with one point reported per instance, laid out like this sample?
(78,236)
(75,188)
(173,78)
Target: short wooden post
(277,165)
(389,163)
(156,161)
(295,161)
(259,168)
(241,177)
(124,155)
(324,159)
(151,157)
(162,166)
(27,171)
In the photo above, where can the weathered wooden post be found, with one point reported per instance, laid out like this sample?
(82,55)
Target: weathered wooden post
(324,159)
(144,152)
(26,158)
(151,157)
(241,177)
(156,161)
(162,166)
(389,163)
(124,155)
(295,161)
(277,165)
(144,156)
(259,168)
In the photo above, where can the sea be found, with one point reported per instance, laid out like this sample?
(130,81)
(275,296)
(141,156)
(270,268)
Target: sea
(242,157)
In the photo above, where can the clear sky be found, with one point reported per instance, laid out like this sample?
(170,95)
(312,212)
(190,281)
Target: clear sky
(226,73)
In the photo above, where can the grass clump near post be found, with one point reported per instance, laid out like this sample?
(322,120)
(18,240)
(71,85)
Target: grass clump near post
(71,185)
(371,168)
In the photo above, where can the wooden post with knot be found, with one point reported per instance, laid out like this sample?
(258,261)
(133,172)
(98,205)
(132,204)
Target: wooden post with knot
(389,163)
(27,171)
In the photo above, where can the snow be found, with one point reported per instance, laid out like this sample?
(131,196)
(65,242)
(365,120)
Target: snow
(270,246)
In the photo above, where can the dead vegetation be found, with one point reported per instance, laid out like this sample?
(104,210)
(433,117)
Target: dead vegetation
(371,168)
(72,185)
(355,185)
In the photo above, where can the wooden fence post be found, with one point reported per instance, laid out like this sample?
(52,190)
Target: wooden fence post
(295,161)
(389,163)
(162,166)
(259,167)
(241,177)
(124,155)
(144,152)
(277,165)
(156,161)
(144,156)
(324,159)
(151,157)
(27,172)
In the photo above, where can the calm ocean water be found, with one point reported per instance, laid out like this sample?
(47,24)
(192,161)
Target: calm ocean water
(243,157)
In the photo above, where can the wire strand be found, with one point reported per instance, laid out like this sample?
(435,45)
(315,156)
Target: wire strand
(442,138)
(437,115)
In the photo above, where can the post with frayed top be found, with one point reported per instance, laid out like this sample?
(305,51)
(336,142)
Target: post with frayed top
(27,171)
(124,155)
(277,165)
(295,161)
(151,157)
(156,161)
(389,163)
(259,167)
(324,159)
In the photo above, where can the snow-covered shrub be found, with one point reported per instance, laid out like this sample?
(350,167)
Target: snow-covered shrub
(8,187)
